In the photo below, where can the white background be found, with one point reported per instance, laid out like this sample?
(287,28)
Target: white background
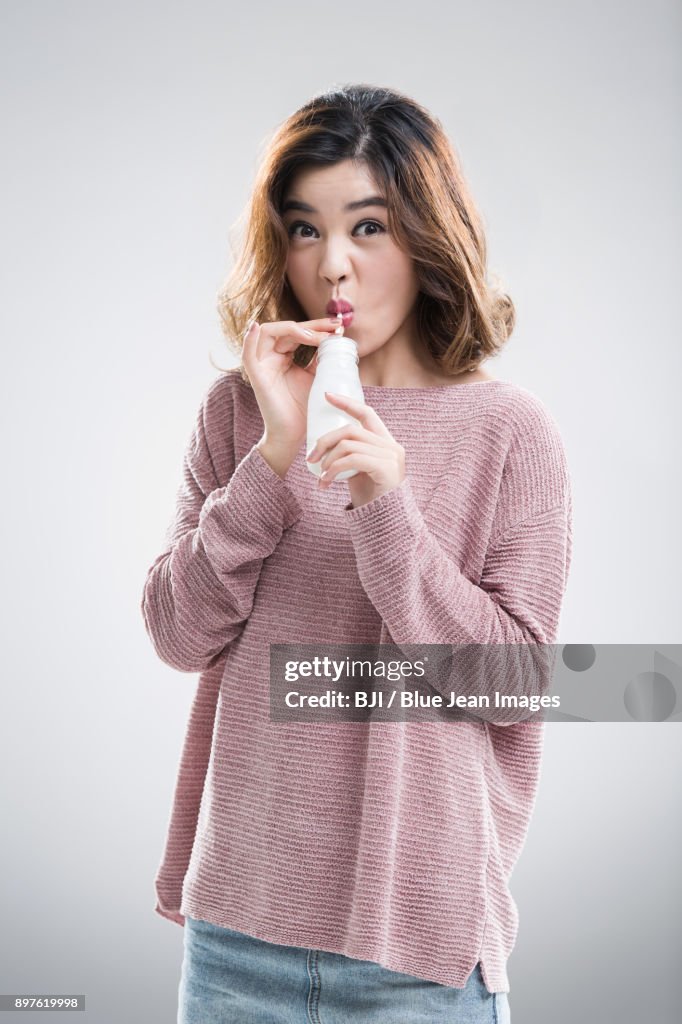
(131,135)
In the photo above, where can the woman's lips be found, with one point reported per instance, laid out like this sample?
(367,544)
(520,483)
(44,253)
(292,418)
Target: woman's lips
(336,306)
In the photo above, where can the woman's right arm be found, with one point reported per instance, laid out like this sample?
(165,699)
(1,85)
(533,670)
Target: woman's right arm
(199,592)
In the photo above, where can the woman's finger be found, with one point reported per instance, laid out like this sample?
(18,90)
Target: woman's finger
(294,332)
(370,464)
(249,342)
(348,446)
(351,431)
(362,412)
(291,342)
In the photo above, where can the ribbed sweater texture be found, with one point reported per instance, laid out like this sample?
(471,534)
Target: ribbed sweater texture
(385,841)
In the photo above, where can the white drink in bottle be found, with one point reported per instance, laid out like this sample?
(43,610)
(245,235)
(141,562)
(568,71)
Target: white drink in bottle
(337,371)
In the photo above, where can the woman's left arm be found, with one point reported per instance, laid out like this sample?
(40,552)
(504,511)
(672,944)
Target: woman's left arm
(423,596)
(418,589)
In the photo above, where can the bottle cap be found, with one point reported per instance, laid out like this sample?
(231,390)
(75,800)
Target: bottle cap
(339,346)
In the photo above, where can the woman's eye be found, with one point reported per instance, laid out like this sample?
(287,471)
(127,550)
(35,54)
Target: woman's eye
(309,227)
(299,224)
(374,224)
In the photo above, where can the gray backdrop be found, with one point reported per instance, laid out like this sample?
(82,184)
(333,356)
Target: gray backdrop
(131,136)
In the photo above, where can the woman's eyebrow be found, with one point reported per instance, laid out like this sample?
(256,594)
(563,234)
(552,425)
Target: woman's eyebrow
(297,204)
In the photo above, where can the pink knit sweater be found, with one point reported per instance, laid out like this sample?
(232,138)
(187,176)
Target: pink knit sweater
(390,842)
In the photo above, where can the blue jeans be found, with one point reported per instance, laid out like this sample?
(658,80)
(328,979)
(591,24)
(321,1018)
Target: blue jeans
(228,977)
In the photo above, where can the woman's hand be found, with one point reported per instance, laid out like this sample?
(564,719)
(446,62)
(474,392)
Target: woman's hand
(282,388)
(369,448)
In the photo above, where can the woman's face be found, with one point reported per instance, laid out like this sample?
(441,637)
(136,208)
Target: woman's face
(337,253)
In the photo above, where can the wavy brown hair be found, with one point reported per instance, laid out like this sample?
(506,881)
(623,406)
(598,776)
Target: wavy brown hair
(462,319)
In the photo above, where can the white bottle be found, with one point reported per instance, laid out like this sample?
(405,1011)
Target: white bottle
(337,371)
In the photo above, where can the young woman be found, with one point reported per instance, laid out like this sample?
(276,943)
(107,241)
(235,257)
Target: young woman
(355,871)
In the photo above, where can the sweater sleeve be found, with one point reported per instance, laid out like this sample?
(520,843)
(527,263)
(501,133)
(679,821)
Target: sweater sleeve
(198,594)
(419,589)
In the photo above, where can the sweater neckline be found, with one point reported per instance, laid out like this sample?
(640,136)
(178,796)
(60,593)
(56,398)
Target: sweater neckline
(429,388)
